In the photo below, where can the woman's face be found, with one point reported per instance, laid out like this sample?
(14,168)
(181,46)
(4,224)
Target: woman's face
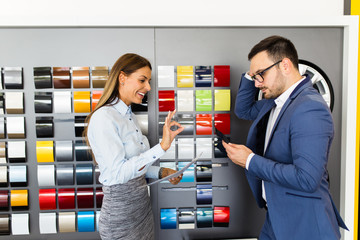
(132,88)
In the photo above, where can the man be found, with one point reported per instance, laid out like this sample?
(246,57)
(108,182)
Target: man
(287,147)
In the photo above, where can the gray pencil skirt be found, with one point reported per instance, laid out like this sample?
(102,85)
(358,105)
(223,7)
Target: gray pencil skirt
(126,212)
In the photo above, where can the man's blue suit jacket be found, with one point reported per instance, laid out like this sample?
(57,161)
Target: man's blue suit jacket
(293,167)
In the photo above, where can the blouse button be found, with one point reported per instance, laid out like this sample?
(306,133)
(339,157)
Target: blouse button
(154,157)
(130,119)
(142,143)
(137,130)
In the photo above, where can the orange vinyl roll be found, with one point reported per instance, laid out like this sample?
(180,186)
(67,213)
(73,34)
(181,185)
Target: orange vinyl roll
(95,98)
(82,102)
(19,198)
(80,77)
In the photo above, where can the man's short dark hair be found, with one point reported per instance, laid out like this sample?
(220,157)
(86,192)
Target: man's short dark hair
(277,48)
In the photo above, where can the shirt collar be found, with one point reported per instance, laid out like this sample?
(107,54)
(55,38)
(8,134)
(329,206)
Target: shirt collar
(280,100)
(121,107)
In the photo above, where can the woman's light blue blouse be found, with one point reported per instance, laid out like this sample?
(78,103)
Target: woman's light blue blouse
(119,147)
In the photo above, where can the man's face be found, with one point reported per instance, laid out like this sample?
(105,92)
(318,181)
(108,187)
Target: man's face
(273,84)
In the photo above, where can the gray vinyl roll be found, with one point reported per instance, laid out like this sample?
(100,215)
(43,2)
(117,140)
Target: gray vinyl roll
(65,174)
(187,121)
(13,77)
(186,218)
(64,151)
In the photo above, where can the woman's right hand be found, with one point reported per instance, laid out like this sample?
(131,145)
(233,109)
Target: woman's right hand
(168,134)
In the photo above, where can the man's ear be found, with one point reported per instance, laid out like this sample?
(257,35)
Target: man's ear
(286,65)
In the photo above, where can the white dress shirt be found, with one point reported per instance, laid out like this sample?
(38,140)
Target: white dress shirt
(279,101)
(119,147)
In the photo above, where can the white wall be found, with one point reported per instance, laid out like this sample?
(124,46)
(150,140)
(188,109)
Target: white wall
(157,12)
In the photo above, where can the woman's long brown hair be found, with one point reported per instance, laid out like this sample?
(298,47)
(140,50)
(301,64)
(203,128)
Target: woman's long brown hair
(128,64)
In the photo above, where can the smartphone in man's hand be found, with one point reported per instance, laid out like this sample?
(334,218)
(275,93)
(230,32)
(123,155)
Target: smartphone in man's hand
(221,136)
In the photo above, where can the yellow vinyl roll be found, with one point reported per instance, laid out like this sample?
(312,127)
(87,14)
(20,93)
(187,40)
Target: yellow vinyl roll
(45,151)
(185,76)
(82,102)
(19,198)
(222,100)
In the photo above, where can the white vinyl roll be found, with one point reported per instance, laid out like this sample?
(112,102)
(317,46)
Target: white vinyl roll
(97,220)
(46,175)
(170,153)
(15,127)
(185,148)
(2,127)
(62,102)
(185,100)
(20,224)
(166,76)
(47,223)
(204,146)
(14,102)
(16,150)
(17,174)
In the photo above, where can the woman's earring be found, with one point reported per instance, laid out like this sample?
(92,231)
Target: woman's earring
(122,84)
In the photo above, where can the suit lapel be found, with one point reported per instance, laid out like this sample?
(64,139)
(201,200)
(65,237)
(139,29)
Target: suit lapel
(304,84)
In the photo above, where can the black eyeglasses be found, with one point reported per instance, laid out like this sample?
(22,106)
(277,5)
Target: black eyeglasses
(256,76)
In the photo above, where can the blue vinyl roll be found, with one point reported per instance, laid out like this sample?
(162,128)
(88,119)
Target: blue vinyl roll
(168,218)
(204,194)
(84,174)
(203,76)
(86,221)
(204,217)
(189,174)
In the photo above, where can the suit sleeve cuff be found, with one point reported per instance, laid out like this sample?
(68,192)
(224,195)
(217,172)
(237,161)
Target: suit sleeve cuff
(248,77)
(248,160)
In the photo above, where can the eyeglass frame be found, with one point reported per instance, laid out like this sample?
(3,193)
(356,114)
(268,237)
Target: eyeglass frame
(262,73)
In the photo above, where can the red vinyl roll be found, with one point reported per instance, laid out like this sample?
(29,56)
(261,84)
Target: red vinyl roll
(66,198)
(166,101)
(222,76)
(47,199)
(221,214)
(4,199)
(222,122)
(85,197)
(99,197)
(203,124)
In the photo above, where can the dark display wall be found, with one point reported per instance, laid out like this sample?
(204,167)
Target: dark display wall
(30,48)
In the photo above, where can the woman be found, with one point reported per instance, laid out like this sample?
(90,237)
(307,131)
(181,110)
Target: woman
(123,153)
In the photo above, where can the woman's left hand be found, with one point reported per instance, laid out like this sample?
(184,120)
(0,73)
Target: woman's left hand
(167,172)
